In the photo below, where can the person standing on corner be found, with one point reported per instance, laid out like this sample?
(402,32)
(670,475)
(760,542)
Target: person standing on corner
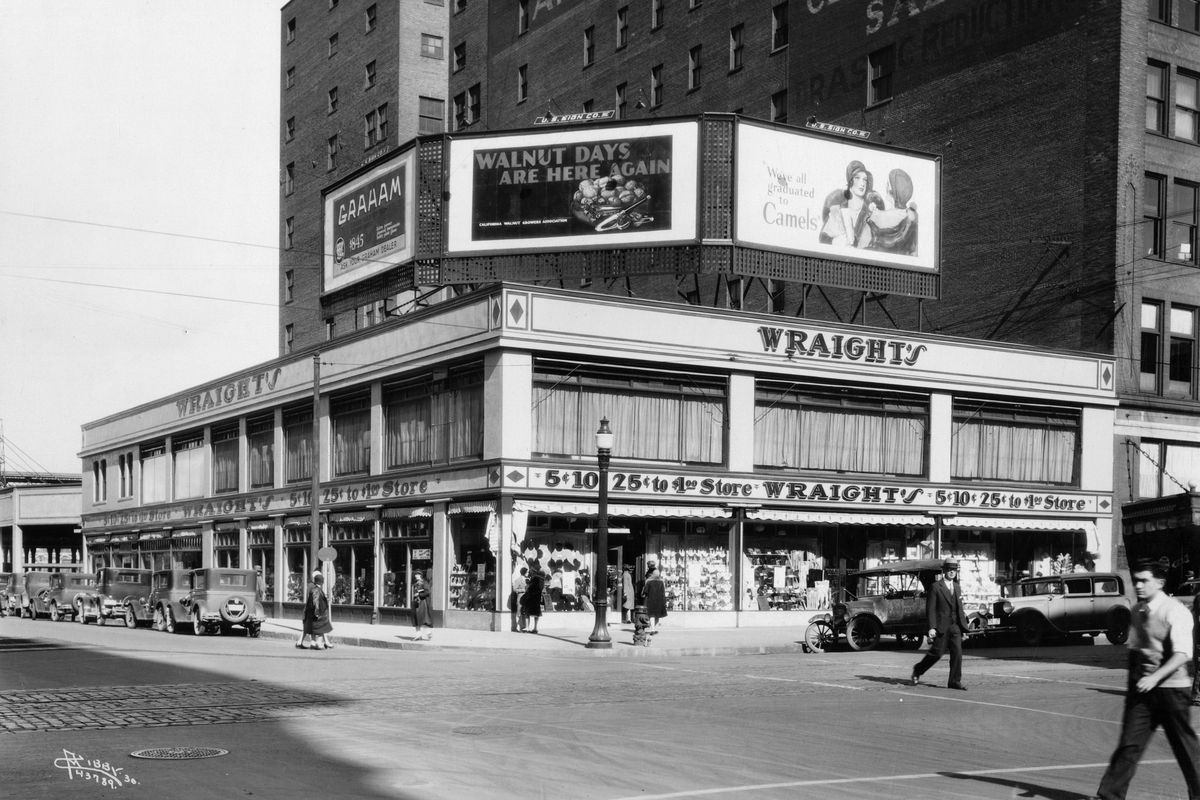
(943,607)
(654,595)
(422,613)
(531,601)
(316,615)
(628,599)
(519,583)
(1158,690)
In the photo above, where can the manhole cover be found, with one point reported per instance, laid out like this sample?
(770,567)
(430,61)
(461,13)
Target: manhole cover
(179,753)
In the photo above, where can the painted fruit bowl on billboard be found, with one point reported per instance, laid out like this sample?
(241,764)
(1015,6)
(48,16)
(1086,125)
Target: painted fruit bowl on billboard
(608,203)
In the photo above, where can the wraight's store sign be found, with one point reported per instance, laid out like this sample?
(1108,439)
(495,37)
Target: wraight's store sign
(666,485)
(227,393)
(838,347)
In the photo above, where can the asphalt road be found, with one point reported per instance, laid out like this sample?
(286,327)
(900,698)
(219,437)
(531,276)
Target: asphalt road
(367,723)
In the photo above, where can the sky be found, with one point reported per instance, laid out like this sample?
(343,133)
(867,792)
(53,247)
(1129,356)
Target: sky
(139,194)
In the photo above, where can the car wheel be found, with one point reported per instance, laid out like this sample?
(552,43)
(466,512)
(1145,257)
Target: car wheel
(819,636)
(169,621)
(80,613)
(863,633)
(1030,631)
(55,614)
(130,617)
(252,631)
(1118,627)
(197,623)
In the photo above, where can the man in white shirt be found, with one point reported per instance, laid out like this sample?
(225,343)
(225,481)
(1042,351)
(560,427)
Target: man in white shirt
(1159,689)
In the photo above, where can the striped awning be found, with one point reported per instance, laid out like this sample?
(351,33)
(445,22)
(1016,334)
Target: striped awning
(621,510)
(835,518)
(407,511)
(1022,524)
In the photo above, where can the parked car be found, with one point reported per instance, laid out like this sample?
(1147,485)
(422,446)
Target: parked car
(1057,605)
(33,588)
(223,599)
(890,601)
(66,594)
(10,594)
(1186,592)
(169,590)
(116,588)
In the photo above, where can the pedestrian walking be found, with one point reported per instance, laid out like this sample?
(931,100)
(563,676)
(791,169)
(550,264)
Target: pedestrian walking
(1158,689)
(316,615)
(946,620)
(531,601)
(422,613)
(629,600)
(654,597)
(520,581)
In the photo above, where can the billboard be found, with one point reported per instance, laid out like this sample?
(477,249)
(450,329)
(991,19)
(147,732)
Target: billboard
(370,222)
(577,188)
(837,199)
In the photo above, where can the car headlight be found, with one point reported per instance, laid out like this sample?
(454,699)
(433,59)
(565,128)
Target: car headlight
(1006,608)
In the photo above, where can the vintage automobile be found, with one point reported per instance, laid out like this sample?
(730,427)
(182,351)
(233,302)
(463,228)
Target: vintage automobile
(169,589)
(890,601)
(32,602)
(116,589)
(10,594)
(66,594)
(212,600)
(1058,605)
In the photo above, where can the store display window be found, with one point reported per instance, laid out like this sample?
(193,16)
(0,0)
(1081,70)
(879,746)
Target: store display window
(565,558)
(405,548)
(296,564)
(225,549)
(263,557)
(354,567)
(694,563)
(473,564)
(782,570)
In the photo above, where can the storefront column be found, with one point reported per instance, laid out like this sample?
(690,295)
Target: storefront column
(18,549)
(377,527)
(244,544)
(741,422)
(439,599)
(505,560)
(207,551)
(280,577)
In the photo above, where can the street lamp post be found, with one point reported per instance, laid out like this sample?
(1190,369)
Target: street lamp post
(600,638)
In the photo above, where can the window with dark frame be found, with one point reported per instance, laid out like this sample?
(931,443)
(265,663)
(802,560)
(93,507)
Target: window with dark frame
(473,94)
(1181,353)
(291,30)
(622,26)
(881,65)
(1156,97)
(289,178)
(369,75)
(694,68)
(522,17)
(260,440)
(431,114)
(779,26)
(435,418)
(656,14)
(1187,106)
(778,109)
(331,153)
(736,47)
(1154,214)
(289,129)
(1160,11)
(375,125)
(289,337)
(656,86)
(1181,233)
(620,103)
(297,444)
(589,45)
(371,17)
(431,46)
(289,285)
(1189,15)
(350,430)
(332,101)
(333,45)
(225,446)
(290,77)
(522,83)
(459,56)
(289,232)
(993,440)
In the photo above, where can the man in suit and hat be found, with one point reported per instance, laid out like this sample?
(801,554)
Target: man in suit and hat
(943,607)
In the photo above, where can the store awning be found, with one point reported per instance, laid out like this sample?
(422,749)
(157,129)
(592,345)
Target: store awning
(473,507)
(832,518)
(407,511)
(621,510)
(1022,524)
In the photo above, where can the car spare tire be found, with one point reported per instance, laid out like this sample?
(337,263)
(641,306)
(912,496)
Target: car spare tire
(235,610)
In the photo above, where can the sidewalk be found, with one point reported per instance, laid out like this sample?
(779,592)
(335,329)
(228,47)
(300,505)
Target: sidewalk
(668,642)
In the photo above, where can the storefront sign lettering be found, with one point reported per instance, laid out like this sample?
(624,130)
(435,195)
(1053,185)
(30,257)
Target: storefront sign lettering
(838,347)
(227,393)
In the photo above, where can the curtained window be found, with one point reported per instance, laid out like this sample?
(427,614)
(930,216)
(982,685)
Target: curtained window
(298,445)
(655,416)
(1008,442)
(839,429)
(434,418)
(350,418)
(155,470)
(190,477)
(225,459)
(260,436)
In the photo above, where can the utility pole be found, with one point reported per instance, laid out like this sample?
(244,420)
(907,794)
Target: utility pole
(314,534)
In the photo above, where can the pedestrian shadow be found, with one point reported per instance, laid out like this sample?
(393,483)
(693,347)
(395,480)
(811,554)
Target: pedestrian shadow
(1021,788)
(885,679)
(1117,692)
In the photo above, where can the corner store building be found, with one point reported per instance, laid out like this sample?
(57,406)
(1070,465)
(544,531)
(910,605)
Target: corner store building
(458,439)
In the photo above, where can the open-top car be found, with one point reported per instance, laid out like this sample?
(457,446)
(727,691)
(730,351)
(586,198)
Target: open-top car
(66,594)
(33,599)
(1058,605)
(115,591)
(890,601)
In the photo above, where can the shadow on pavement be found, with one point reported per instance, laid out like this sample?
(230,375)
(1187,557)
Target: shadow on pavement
(1021,788)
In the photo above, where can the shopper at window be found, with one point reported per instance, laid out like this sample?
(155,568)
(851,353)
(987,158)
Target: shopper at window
(654,596)
(520,581)
(627,591)
(531,601)
(422,613)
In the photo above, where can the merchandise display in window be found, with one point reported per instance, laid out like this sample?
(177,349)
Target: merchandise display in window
(697,579)
(782,580)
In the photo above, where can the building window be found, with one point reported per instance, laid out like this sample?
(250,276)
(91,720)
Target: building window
(1189,15)
(622,26)
(297,445)
(589,45)
(460,111)
(522,17)
(330,328)
(1181,358)
(522,83)
(881,65)
(434,419)
(333,4)
(1160,11)
(1181,235)
(1151,342)
(100,481)
(1168,358)
(370,18)
(331,101)
(350,425)
(290,77)
(225,446)
(431,115)
(473,103)
(125,470)
(656,86)
(368,315)
(289,285)
(1156,97)
(289,232)
(656,14)
(840,429)
(589,104)
(376,127)
(693,4)
(736,47)
(995,441)
(289,129)
(369,75)
(155,472)
(1187,106)
(431,46)
(291,30)
(1154,214)
(191,478)
(779,26)
(1164,468)
(460,6)
(333,43)
(779,106)
(657,415)
(331,152)
(619,101)
(289,178)
(694,68)
(289,337)
(260,440)
(459,56)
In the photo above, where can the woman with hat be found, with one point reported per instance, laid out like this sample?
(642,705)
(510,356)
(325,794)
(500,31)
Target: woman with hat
(316,615)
